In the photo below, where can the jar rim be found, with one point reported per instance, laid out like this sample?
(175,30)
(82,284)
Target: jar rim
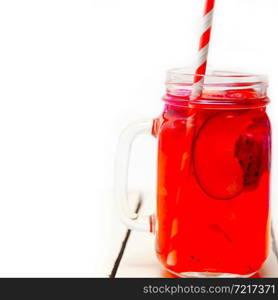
(218,88)
(214,77)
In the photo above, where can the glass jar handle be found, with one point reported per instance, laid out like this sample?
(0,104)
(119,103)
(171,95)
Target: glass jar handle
(129,218)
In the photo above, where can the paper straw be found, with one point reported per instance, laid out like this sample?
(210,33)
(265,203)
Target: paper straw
(203,50)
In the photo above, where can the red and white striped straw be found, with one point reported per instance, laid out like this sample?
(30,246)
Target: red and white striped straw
(203,50)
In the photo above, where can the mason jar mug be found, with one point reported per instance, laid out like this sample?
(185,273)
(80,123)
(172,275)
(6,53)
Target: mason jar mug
(213,172)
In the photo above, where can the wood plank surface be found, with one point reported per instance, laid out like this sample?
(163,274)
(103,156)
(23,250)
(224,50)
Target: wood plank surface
(139,258)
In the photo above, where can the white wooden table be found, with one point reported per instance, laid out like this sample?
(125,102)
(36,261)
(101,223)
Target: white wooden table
(139,259)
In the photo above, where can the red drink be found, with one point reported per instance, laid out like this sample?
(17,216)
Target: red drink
(212,215)
(213,181)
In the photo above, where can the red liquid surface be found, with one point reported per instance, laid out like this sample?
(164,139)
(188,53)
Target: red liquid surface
(213,189)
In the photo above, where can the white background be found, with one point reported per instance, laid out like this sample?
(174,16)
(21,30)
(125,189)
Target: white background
(72,75)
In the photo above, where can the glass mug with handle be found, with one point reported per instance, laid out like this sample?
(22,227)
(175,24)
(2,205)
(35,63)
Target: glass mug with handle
(212,213)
